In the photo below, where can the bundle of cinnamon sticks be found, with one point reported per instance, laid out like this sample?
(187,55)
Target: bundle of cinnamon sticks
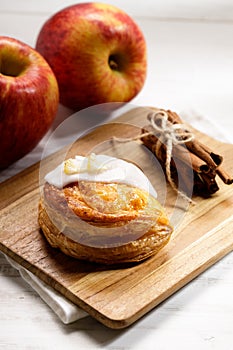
(192,163)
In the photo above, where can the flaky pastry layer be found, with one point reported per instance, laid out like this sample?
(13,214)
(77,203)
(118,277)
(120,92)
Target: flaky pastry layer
(103,223)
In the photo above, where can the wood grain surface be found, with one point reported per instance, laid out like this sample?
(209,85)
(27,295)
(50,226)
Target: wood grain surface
(118,296)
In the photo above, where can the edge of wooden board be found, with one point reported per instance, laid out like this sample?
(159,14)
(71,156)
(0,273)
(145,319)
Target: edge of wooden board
(202,253)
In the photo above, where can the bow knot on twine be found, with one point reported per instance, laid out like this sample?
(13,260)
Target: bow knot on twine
(169,134)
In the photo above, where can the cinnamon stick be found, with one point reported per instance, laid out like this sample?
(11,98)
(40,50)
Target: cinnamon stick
(192,155)
(224,176)
(208,156)
(196,147)
(178,152)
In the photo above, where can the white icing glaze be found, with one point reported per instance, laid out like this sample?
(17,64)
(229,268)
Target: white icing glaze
(99,168)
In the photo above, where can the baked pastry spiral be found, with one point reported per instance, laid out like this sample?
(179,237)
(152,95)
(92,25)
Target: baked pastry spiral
(92,214)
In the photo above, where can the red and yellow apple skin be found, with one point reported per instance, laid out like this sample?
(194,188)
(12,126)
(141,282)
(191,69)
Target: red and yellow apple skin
(29,99)
(97,52)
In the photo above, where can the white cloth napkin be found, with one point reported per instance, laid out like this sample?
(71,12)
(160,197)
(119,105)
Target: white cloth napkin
(66,310)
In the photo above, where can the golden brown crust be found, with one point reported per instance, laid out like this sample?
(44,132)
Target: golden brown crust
(102,224)
(134,251)
(80,198)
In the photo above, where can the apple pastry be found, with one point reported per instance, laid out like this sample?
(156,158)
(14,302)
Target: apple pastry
(102,209)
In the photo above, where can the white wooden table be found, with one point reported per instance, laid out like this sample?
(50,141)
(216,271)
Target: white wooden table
(190,54)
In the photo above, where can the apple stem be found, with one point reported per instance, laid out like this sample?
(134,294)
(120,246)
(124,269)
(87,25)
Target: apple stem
(113,64)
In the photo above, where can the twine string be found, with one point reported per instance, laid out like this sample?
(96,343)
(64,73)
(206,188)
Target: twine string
(169,134)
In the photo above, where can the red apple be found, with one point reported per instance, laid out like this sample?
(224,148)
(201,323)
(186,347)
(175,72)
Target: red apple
(28,99)
(97,52)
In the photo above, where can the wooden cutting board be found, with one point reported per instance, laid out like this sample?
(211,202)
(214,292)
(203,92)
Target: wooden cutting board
(118,296)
